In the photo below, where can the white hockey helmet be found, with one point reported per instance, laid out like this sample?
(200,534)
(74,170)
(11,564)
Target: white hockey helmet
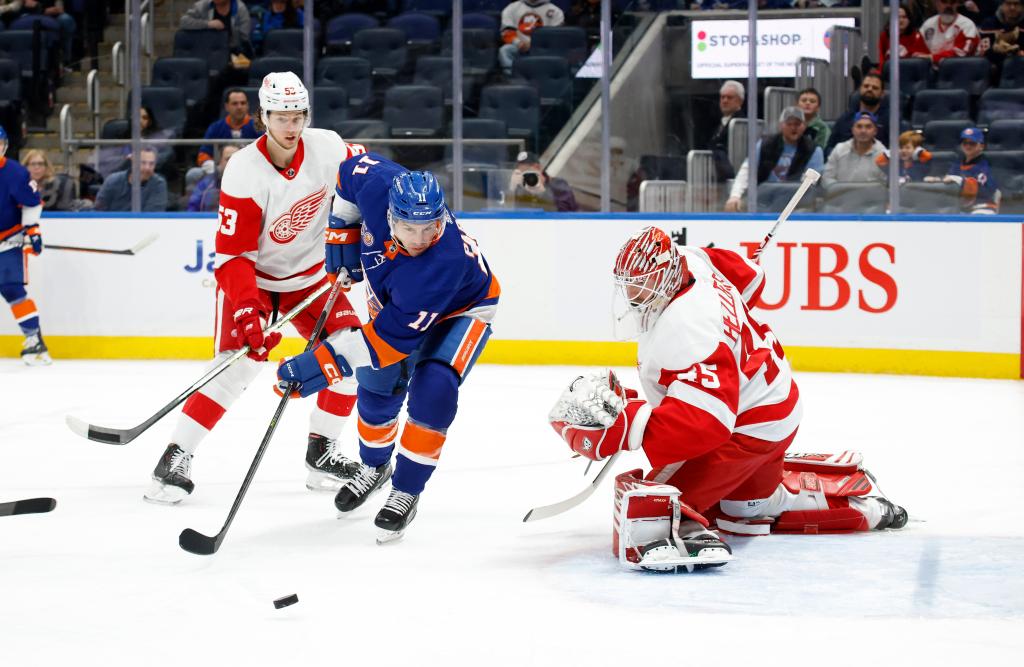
(283,91)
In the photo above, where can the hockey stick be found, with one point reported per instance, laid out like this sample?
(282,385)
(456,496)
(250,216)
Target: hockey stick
(203,545)
(122,436)
(134,250)
(547,511)
(27,506)
(810,178)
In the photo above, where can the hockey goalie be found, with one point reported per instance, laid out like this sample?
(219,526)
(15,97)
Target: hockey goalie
(720,410)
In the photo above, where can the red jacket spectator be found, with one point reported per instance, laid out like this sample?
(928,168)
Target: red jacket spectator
(912,44)
(948,33)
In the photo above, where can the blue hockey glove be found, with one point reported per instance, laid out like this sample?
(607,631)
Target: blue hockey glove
(33,240)
(342,243)
(314,370)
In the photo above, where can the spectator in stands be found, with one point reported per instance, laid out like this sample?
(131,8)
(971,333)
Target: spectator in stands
(861,159)
(949,34)
(52,9)
(979,192)
(518,21)
(809,101)
(236,124)
(230,15)
(1000,34)
(206,195)
(915,161)
(56,190)
(116,192)
(911,42)
(872,101)
(533,187)
(116,158)
(781,158)
(280,14)
(730,103)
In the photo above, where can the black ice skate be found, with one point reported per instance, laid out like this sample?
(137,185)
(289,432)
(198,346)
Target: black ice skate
(397,513)
(328,469)
(34,352)
(362,486)
(893,516)
(699,550)
(171,481)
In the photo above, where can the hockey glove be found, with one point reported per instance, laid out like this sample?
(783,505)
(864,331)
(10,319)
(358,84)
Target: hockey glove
(342,241)
(594,416)
(33,240)
(249,323)
(314,370)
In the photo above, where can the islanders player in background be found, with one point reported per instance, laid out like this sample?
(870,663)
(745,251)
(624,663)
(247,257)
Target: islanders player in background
(274,202)
(431,298)
(20,210)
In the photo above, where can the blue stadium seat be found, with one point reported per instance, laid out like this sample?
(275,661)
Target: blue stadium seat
(1000,103)
(363,129)
(481,21)
(211,45)
(189,74)
(421,30)
(942,160)
(414,111)
(940,105)
(342,29)
(1008,168)
(479,51)
(438,8)
(10,82)
(435,71)
(970,74)
(480,156)
(549,75)
(16,45)
(10,103)
(517,106)
(49,27)
(385,49)
(168,106)
(1012,75)
(944,135)
(284,43)
(352,74)
(1005,135)
(261,67)
(330,106)
(569,42)
(491,6)
(116,128)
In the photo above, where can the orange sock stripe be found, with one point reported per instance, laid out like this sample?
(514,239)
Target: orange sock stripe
(377,435)
(423,441)
(24,310)
(468,346)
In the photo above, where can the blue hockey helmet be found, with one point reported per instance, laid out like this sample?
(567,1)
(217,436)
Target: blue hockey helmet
(416,198)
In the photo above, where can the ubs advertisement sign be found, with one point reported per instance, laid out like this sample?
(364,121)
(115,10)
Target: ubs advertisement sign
(719,48)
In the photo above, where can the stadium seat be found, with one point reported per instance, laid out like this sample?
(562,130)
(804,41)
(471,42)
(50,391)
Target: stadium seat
(342,29)
(385,49)
(1000,103)
(482,156)
(168,106)
(479,51)
(352,74)
(481,21)
(264,66)
(363,128)
(1012,75)
(284,43)
(915,74)
(1008,169)
(330,106)
(970,74)
(421,30)
(414,111)
(569,42)
(517,106)
(50,28)
(941,198)
(944,135)
(10,103)
(437,8)
(856,198)
(550,76)
(435,71)
(10,81)
(1005,135)
(116,128)
(211,45)
(940,105)
(942,161)
(189,74)
(486,6)
(16,45)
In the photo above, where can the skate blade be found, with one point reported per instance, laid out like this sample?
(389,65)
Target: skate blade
(42,359)
(707,558)
(322,481)
(164,494)
(389,536)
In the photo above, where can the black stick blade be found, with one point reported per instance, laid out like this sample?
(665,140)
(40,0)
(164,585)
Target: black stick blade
(197,543)
(28,506)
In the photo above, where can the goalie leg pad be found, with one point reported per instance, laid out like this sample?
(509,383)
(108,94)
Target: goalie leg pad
(847,462)
(814,522)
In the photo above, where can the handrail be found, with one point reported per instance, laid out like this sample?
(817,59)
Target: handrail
(92,99)
(120,72)
(66,127)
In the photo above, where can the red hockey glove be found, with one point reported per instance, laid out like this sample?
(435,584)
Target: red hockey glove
(250,322)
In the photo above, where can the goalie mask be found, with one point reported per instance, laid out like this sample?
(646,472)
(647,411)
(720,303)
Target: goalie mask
(649,271)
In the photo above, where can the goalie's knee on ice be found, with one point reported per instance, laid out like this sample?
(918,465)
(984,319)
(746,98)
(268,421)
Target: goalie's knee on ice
(434,394)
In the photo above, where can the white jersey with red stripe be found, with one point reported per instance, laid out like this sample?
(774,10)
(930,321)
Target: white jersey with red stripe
(276,218)
(709,369)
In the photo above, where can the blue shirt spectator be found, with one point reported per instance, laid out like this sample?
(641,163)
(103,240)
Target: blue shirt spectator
(237,124)
(116,192)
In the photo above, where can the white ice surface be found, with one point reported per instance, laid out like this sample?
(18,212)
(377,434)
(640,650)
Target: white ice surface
(101,580)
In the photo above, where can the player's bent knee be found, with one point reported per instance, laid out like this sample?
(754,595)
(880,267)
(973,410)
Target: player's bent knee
(434,394)
(12,292)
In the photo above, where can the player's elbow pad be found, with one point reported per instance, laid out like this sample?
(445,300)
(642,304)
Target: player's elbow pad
(30,215)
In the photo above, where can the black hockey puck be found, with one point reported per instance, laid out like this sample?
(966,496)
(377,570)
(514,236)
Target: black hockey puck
(281,603)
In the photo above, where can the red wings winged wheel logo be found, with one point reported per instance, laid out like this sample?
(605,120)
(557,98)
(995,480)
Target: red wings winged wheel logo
(299,216)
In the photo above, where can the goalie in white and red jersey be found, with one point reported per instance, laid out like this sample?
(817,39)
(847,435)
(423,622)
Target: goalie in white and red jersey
(721,410)
(275,198)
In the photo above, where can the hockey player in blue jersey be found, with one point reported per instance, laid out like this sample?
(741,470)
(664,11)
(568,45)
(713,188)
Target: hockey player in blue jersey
(431,297)
(20,209)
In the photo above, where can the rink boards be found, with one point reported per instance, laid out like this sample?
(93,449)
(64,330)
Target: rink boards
(903,294)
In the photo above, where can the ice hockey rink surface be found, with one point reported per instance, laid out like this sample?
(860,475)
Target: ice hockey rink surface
(101,579)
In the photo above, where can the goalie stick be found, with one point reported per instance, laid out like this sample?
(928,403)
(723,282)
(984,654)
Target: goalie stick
(204,545)
(134,250)
(810,178)
(27,506)
(122,436)
(547,511)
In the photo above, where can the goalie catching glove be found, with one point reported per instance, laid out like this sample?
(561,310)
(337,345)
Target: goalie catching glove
(597,417)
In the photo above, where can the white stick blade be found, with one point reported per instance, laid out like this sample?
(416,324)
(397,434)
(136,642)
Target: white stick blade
(144,242)
(77,426)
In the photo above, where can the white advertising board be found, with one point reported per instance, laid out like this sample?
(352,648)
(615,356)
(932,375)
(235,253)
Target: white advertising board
(719,48)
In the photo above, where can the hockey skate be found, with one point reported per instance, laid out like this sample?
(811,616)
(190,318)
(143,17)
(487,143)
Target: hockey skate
(328,469)
(171,481)
(362,486)
(698,551)
(396,515)
(34,352)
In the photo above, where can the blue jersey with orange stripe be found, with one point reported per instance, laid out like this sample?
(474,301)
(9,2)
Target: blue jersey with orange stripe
(16,191)
(407,296)
(979,189)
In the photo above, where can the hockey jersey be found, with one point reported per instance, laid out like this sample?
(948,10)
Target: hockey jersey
(406,296)
(16,190)
(272,221)
(709,369)
(959,38)
(520,18)
(979,189)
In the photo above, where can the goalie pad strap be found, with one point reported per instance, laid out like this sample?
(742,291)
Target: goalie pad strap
(813,522)
(830,485)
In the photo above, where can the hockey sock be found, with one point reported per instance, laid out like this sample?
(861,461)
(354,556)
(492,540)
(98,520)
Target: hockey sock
(22,307)
(433,401)
(204,408)
(378,425)
(333,407)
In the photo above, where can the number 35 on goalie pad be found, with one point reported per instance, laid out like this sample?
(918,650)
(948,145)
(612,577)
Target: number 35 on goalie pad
(646,524)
